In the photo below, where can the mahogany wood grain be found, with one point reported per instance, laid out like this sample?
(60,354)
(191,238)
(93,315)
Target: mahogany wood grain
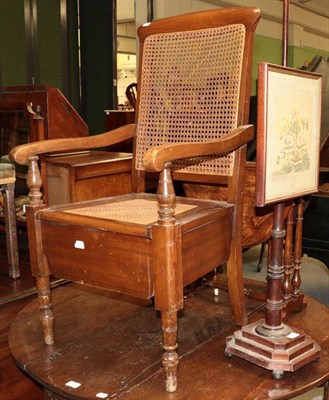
(22,153)
(288,266)
(14,383)
(14,296)
(121,363)
(128,254)
(12,290)
(114,119)
(273,319)
(156,157)
(256,221)
(88,175)
(61,119)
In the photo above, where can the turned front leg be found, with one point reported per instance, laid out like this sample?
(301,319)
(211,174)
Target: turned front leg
(170,357)
(38,261)
(168,274)
(46,308)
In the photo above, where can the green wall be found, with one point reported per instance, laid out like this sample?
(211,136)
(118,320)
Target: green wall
(270,50)
(299,57)
(49,43)
(97,59)
(97,50)
(12,43)
(73,55)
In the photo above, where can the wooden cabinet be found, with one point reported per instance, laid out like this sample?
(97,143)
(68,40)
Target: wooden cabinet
(88,175)
(114,119)
(61,119)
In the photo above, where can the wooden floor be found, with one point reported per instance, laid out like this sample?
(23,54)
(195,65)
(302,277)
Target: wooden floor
(14,295)
(11,289)
(203,331)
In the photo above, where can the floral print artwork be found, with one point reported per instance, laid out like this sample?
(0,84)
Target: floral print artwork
(293,137)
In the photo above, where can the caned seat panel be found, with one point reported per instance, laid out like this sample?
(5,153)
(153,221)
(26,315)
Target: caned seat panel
(190,99)
(135,211)
(134,214)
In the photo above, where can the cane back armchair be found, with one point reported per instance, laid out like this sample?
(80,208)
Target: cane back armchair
(194,81)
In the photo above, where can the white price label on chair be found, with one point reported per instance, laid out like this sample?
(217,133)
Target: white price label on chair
(79,244)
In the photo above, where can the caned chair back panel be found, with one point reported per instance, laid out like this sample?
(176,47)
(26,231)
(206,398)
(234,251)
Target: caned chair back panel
(189,92)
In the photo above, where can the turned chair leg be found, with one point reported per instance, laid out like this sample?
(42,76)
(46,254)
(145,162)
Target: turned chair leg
(170,359)
(236,287)
(46,308)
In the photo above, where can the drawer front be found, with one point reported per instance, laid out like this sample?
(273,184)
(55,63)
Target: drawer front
(99,258)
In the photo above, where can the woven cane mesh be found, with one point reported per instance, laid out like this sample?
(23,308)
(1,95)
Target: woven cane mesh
(189,92)
(136,211)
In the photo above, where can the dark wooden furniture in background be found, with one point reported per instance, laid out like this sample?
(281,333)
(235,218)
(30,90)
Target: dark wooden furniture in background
(70,177)
(153,245)
(89,175)
(61,119)
(7,190)
(16,128)
(131,94)
(15,125)
(114,119)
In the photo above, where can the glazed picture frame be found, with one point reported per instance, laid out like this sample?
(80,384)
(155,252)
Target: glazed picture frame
(288,133)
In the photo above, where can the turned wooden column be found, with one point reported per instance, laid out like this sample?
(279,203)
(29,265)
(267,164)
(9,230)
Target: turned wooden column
(298,252)
(288,266)
(273,326)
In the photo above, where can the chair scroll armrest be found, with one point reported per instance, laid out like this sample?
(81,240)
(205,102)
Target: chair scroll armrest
(156,157)
(21,153)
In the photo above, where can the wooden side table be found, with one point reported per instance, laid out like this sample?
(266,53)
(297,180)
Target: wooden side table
(100,349)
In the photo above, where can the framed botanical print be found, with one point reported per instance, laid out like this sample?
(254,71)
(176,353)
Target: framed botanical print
(288,133)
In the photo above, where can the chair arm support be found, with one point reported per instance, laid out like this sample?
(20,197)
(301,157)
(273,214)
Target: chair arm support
(156,157)
(21,154)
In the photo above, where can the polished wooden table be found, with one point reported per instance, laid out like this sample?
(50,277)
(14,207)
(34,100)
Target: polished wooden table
(109,346)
